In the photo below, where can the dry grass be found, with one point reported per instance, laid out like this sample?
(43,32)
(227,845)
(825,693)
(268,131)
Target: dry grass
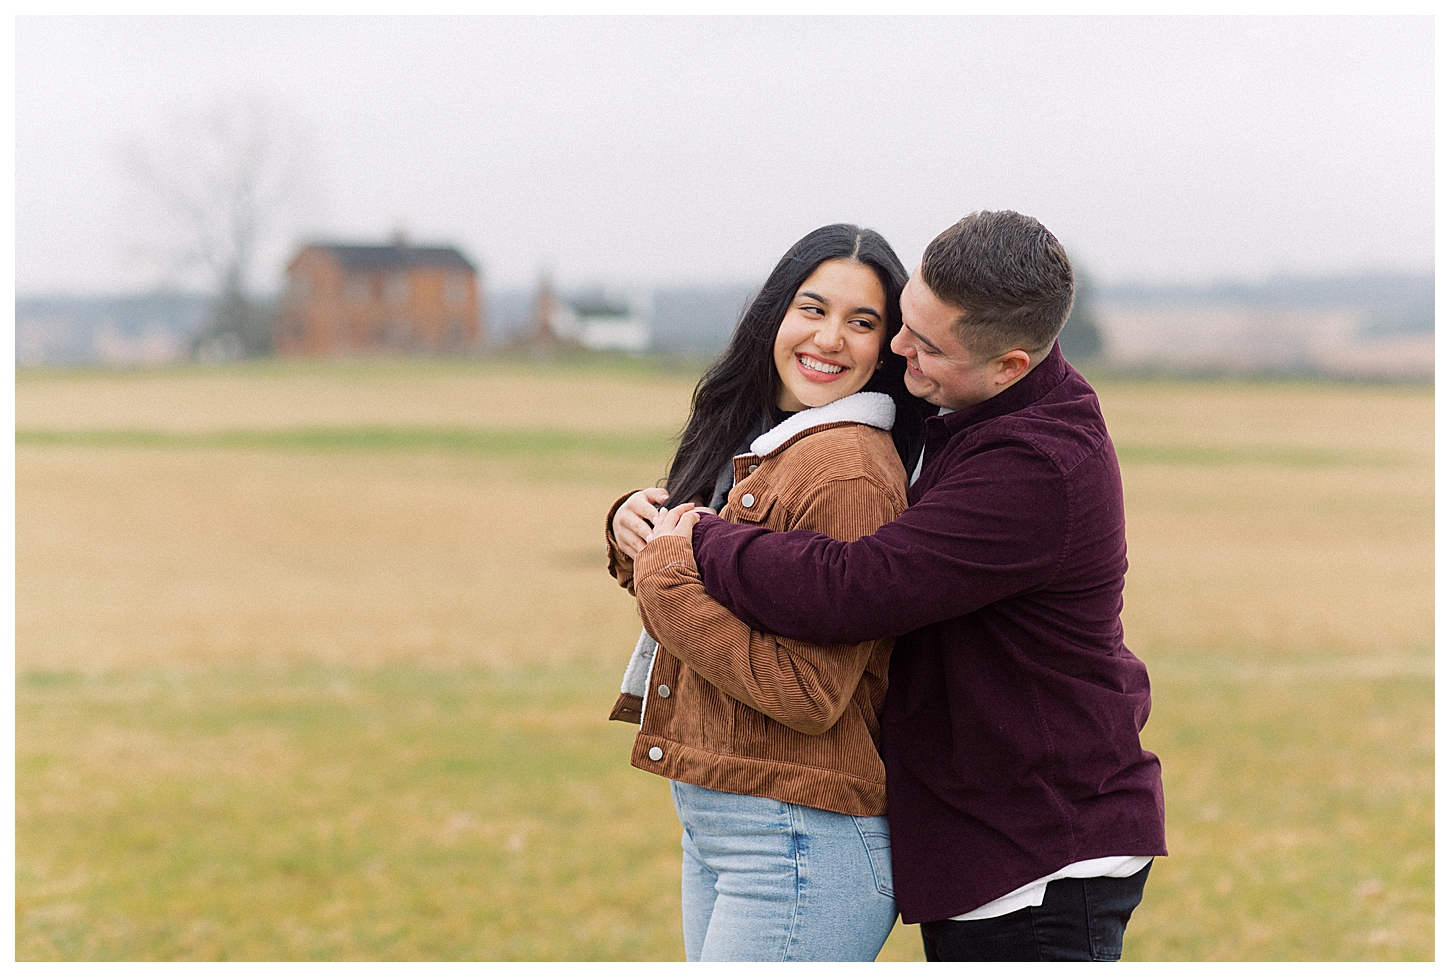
(602,396)
(1355,421)
(1272,560)
(346,701)
(147,558)
(1309,532)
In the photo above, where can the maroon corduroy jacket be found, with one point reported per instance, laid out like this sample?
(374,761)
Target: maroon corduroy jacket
(1012,714)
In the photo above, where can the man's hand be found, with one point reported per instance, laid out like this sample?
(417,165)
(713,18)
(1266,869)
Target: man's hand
(634,520)
(679,521)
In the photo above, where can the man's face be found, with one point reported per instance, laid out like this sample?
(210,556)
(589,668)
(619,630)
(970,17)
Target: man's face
(939,369)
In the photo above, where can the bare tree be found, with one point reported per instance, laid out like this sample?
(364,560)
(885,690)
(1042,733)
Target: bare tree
(222,186)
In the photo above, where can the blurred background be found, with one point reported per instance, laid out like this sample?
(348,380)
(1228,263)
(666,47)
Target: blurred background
(336,337)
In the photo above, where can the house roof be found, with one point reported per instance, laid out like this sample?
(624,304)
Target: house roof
(372,257)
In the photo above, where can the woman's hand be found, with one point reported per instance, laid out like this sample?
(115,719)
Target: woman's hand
(635,518)
(679,521)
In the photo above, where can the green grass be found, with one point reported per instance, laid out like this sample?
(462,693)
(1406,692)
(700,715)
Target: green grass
(312,814)
(1300,813)
(366,370)
(632,447)
(408,813)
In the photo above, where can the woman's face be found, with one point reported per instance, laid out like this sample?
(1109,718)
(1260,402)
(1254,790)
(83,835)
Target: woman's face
(829,343)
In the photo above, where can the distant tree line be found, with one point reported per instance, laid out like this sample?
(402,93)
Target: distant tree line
(1081,339)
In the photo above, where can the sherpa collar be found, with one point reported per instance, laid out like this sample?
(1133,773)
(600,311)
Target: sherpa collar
(865,407)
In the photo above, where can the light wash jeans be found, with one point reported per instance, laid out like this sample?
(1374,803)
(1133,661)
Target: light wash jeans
(764,880)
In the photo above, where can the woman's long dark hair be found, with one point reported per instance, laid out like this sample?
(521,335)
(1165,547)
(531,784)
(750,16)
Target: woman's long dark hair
(736,396)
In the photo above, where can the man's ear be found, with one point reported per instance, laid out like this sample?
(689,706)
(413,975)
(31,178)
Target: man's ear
(1011,365)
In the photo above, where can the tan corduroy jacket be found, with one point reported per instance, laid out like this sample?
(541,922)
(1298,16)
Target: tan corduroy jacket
(752,713)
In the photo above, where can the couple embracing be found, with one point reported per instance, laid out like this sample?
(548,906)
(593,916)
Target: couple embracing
(891,673)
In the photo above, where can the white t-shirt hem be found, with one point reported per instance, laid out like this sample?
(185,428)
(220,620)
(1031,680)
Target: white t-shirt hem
(1032,894)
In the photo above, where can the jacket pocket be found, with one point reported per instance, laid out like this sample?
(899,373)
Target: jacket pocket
(750,504)
(627,708)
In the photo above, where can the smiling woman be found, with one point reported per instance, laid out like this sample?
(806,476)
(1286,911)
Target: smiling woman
(832,339)
(743,392)
(771,745)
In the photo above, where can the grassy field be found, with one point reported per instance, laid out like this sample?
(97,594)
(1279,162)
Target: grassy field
(313,663)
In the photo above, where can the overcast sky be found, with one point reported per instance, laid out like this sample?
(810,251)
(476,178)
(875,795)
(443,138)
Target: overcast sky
(639,151)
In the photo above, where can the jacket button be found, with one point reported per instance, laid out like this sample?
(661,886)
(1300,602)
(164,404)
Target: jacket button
(747,500)
(664,691)
(752,468)
(655,753)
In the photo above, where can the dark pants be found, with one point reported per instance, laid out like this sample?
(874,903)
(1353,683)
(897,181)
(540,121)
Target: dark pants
(1079,919)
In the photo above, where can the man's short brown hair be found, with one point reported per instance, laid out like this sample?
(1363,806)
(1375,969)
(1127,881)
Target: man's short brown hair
(1009,276)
